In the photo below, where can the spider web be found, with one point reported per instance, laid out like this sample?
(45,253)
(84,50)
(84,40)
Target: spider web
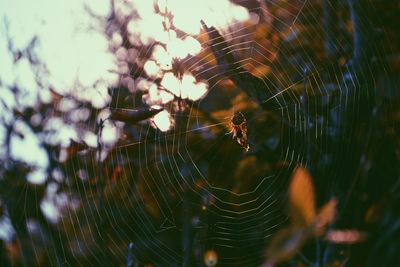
(222,218)
(179,182)
(182,192)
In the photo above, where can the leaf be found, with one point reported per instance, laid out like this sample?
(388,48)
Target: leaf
(210,258)
(116,173)
(346,236)
(133,116)
(286,243)
(76,147)
(374,213)
(302,198)
(219,48)
(325,216)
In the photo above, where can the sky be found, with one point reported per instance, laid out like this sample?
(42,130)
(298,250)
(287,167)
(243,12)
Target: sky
(68,44)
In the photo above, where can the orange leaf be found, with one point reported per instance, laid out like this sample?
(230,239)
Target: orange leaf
(286,243)
(116,173)
(302,198)
(326,216)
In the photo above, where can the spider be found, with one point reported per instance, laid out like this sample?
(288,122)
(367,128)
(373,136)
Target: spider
(239,129)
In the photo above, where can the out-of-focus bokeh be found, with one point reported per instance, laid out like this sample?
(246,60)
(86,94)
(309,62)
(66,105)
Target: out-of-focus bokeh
(118,146)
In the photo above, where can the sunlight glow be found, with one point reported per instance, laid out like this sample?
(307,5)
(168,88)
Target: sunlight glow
(171,83)
(180,49)
(26,142)
(90,138)
(163,121)
(187,88)
(109,134)
(143,84)
(50,211)
(59,133)
(162,57)
(152,69)
(165,25)
(187,14)
(158,97)
(192,90)
(148,30)
(84,62)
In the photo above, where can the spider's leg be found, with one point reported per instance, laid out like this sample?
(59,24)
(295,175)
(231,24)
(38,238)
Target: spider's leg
(233,132)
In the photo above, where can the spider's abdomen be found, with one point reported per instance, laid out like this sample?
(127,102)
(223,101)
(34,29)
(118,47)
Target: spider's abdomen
(238,118)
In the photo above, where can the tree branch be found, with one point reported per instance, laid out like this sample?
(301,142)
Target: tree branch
(259,90)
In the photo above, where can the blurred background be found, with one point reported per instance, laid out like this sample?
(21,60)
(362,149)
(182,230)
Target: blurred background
(118,146)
